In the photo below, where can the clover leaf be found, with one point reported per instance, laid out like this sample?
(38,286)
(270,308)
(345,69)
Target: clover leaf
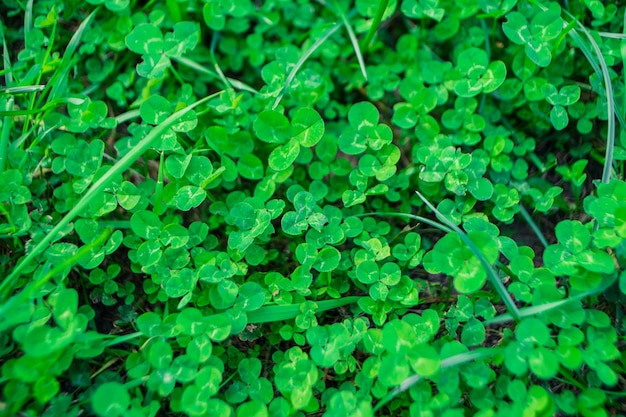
(364,131)
(474,74)
(538,35)
(451,256)
(147,40)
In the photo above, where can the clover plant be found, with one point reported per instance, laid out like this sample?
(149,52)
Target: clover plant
(329,208)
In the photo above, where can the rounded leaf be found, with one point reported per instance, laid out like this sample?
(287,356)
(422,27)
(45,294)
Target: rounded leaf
(145,38)
(111,399)
(307,127)
(272,127)
(155,109)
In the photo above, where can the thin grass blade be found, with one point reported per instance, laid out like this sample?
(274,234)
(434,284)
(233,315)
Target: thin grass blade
(455,360)
(302,60)
(204,70)
(124,163)
(380,12)
(610,102)
(491,273)
(268,314)
(353,39)
(60,74)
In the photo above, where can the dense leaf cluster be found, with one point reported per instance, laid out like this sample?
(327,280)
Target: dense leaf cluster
(279,208)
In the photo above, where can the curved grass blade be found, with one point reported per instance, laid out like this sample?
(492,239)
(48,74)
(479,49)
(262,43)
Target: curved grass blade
(533,225)
(491,273)
(610,100)
(202,69)
(408,216)
(67,262)
(60,74)
(380,12)
(455,360)
(302,60)
(542,308)
(268,314)
(124,163)
(5,134)
(353,39)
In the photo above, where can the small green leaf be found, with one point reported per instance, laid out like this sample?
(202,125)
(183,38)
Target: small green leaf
(283,156)
(111,399)
(307,127)
(145,38)
(273,127)
(155,109)
(146,224)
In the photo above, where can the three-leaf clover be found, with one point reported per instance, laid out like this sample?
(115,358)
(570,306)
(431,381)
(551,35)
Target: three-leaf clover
(474,74)
(538,35)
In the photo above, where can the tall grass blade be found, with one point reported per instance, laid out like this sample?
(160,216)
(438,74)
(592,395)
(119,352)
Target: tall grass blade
(380,12)
(610,102)
(302,60)
(124,163)
(59,78)
(353,40)
(455,360)
(268,314)
(204,70)
(543,308)
(5,134)
(34,287)
(491,273)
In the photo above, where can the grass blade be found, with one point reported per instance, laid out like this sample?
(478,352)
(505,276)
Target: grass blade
(533,225)
(303,59)
(610,101)
(455,360)
(353,39)
(33,287)
(268,314)
(542,308)
(124,163)
(380,12)
(56,82)
(204,70)
(491,273)
(8,121)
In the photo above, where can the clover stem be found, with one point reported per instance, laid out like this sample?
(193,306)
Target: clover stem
(533,225)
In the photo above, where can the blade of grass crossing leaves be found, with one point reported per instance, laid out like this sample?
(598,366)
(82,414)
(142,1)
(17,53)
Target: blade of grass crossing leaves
(124,163)
(533,225)
(55,85)
(124,117)
(623,55)
(6,124)
(21,89)
(380,12)
(33,287)
(28,17)
(610,103)
(269,314)
(491,273)
(420,219)
(542,308)
(353,39)
(303,59)
(198,67)
(455,360)
(594,64)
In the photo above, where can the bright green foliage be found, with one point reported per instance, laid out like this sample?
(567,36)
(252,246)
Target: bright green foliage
(334,208)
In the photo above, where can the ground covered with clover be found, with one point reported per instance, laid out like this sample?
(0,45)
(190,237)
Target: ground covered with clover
(312,208)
